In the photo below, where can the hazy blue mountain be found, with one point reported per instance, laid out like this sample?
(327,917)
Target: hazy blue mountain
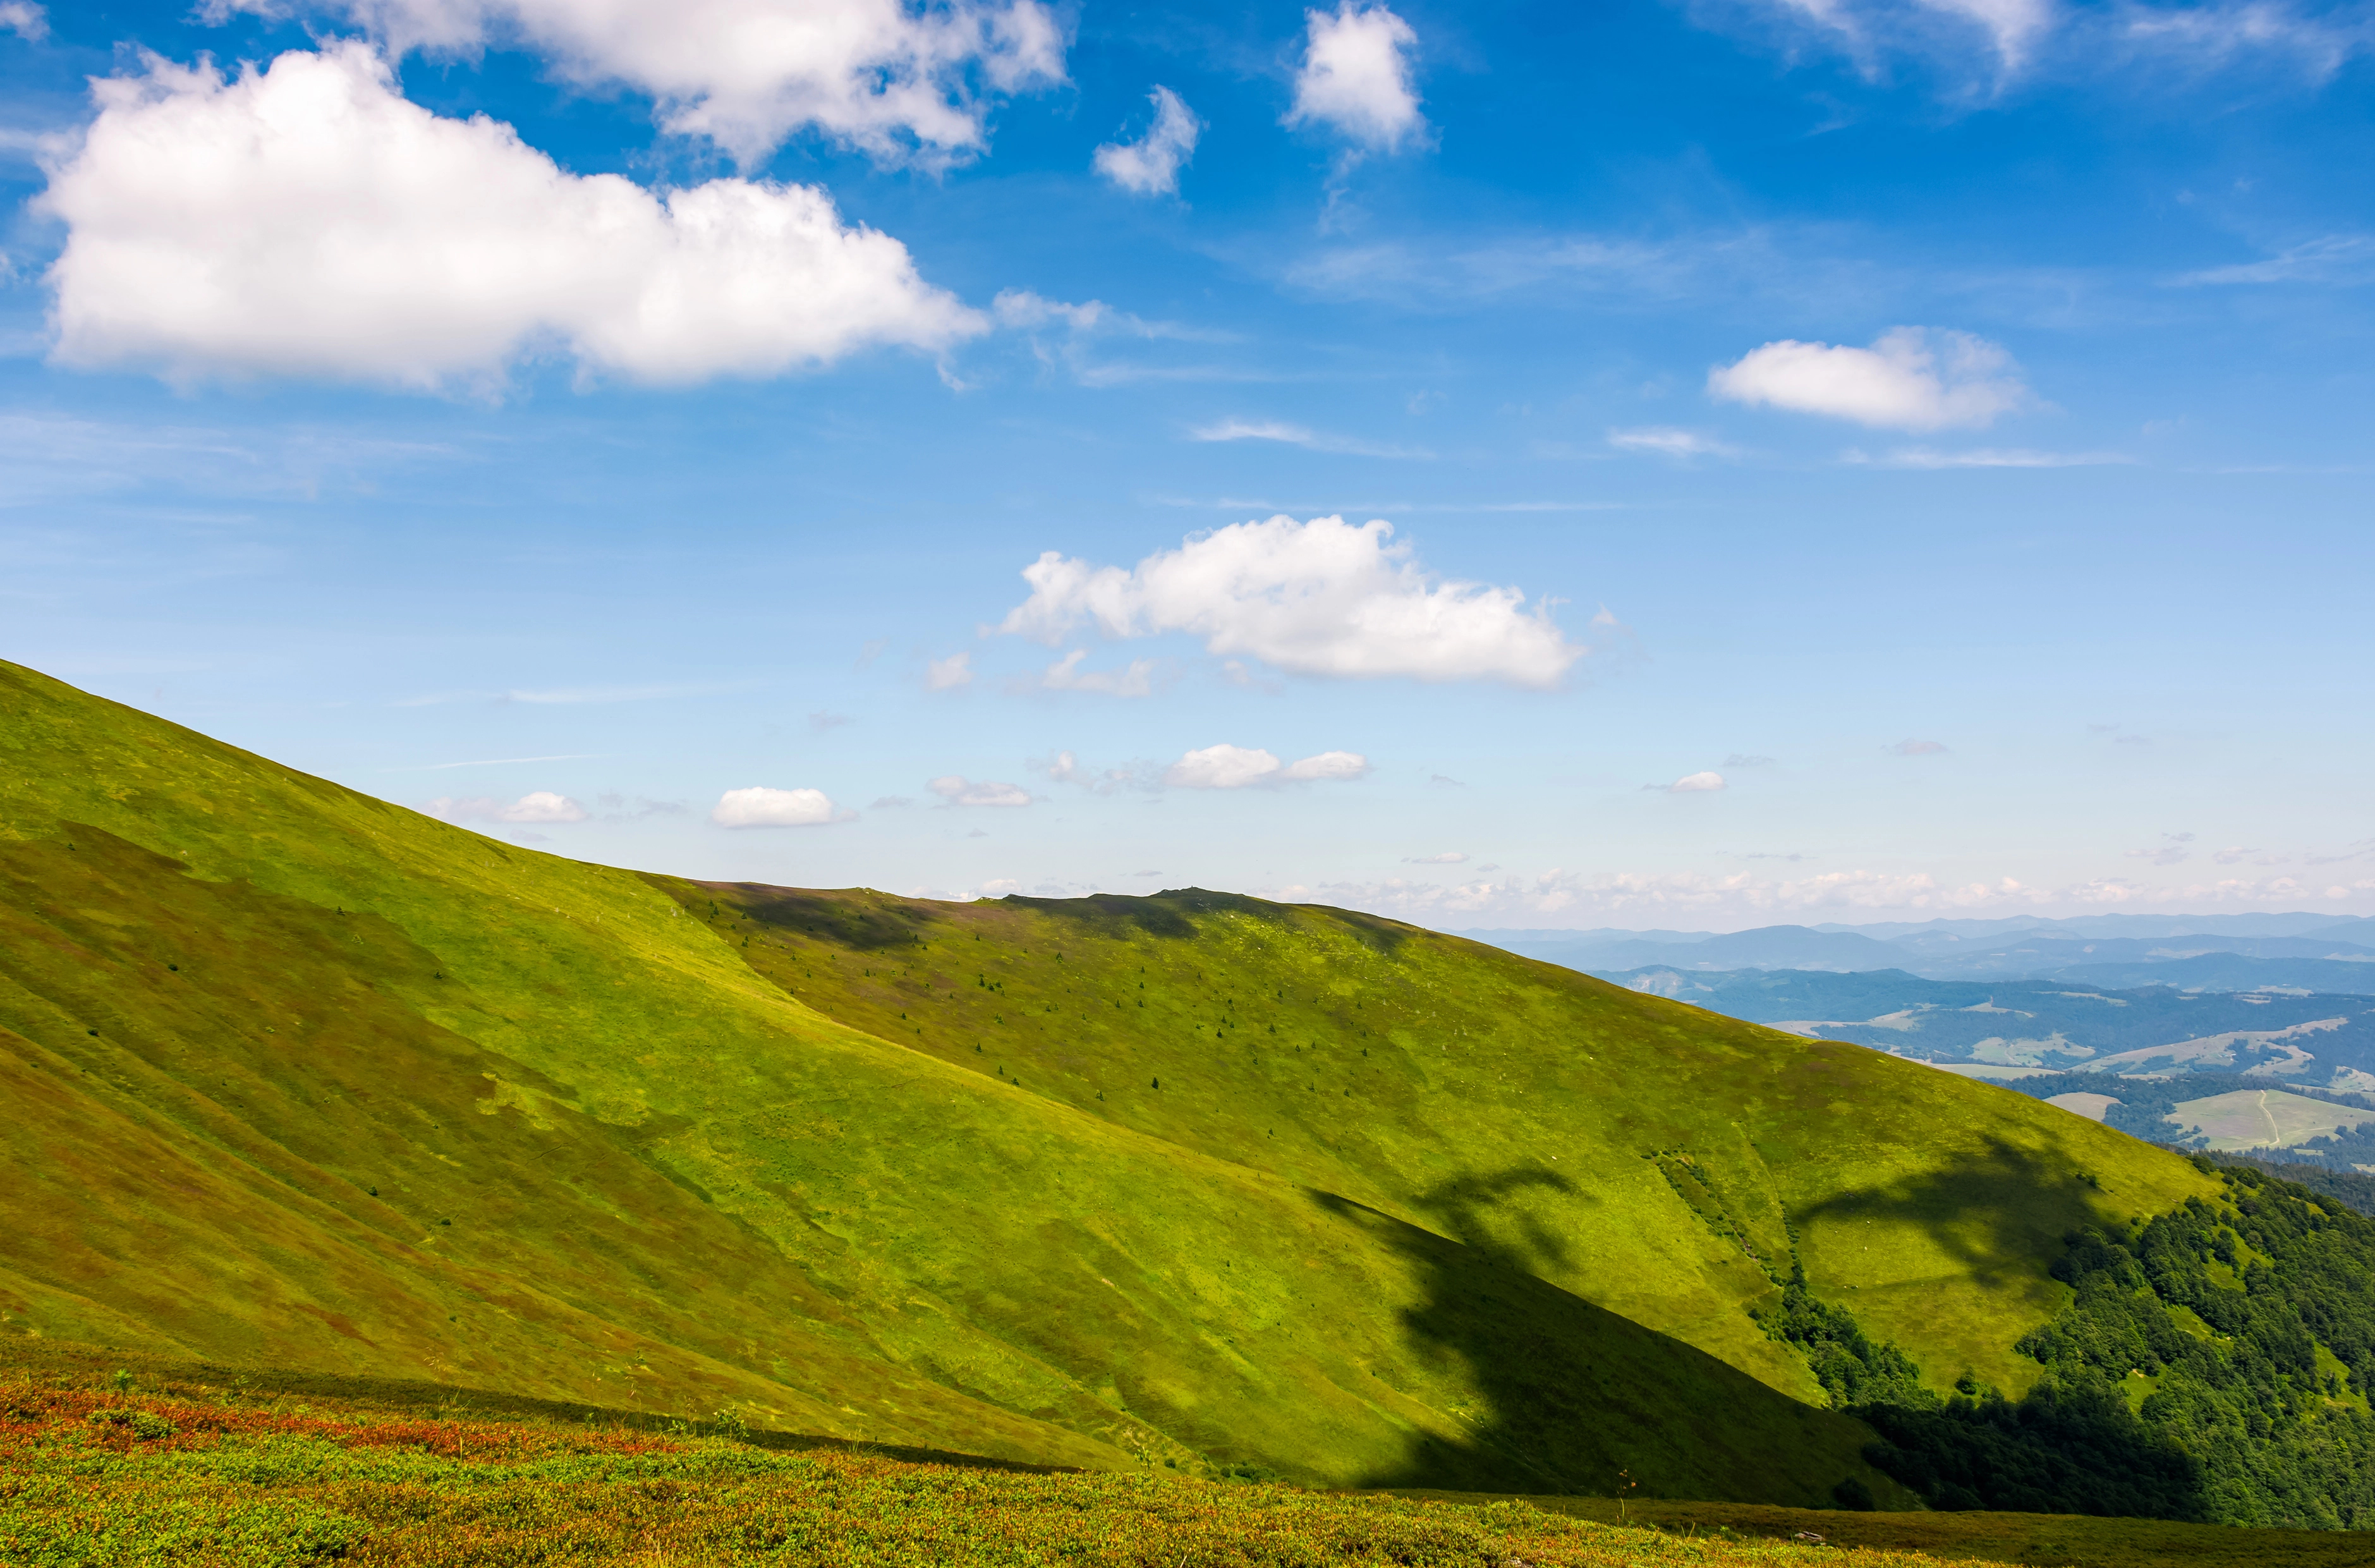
(2229,953)
(2226,971)
(2324,1040)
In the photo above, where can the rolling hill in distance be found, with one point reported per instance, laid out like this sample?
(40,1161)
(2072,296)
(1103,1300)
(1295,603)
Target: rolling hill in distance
(299,1078)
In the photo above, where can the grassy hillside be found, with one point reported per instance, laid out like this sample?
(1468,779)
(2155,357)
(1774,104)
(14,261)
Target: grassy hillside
(1655,1159)
(299,1078)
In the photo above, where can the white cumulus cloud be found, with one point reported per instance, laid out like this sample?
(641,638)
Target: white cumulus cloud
(307,219)
(1355,76)
(1911,378)
(27,21)
(955,790)
(759,807)
(947,675)
(1235,767)
(536,805)
(1694,784)
(898,80)
(1150,166)
(1322,598)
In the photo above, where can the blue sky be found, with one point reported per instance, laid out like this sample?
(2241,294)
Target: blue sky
(1843,461)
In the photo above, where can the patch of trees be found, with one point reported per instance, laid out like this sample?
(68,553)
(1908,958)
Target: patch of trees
(2220,1309)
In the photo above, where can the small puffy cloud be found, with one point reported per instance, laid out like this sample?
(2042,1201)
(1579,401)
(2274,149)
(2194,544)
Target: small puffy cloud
(1150,166)
(1665,440)
(1066,675)
(1321,598)
(1911,378)
(1448,857)
(1236,767)
(1222,767)
(2172,850)
(901,82)
(29,22)
(1694,784)
(761,808)
(2232,854)
(536,805)
(1000,887)
(1911,747)
(310,221)
(1356,78)
(1329,765)
(955,790)
(947,675)
(1302,436)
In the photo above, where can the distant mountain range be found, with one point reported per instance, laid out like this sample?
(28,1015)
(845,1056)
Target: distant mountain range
(2302,952)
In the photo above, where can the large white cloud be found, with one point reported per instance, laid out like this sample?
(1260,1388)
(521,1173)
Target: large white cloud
(896,79)
(759,807)
(1236,767)
(309,220)
(1150,166)
(1911,379)
(1321,598)
(1355,76)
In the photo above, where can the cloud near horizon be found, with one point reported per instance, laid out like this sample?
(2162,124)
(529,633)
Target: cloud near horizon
(308,220)
(954,789)
(759,807)
(1912,378)
(541,806)
(1237,767)
(1321,598)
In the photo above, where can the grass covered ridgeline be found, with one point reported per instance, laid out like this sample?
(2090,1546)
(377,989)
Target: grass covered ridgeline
(130,1477)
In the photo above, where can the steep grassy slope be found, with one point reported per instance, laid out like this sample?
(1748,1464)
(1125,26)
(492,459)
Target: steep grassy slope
(294,1077)
(1662,1161)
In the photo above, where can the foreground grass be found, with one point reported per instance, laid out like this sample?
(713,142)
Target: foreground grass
(2059,1539)
(126,1478)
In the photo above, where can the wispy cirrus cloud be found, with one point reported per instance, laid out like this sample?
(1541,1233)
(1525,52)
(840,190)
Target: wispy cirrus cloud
(1980,457)
(1667,440)
(2328,259)
(1303,436)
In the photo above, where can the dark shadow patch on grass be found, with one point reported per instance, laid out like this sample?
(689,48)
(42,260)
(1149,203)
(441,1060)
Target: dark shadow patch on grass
(1572,1394)
(853,917)
(1988,1211)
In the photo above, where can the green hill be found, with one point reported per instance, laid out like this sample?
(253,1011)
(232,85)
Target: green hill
(296,1078)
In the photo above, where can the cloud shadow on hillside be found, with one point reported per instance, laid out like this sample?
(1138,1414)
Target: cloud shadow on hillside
(1569,1394)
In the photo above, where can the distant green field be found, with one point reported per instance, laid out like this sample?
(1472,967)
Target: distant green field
(296,1079)
(2262,1118)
